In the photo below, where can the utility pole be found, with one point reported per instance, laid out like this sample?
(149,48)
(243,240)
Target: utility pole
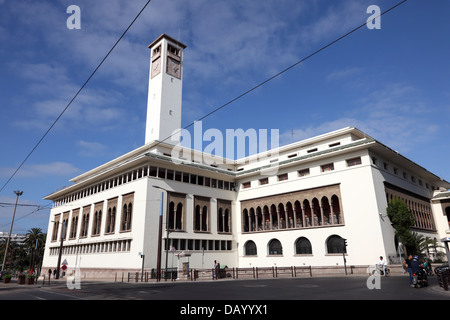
(18,194)
(344,251)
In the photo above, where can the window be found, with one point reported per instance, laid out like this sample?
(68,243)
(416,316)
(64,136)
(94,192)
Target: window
(263,181)
(303,246)
(97,223)
(334,144)
(327,167)
(374,160)
(303,173)
(250,248)
(282,177)
(335,244)
(127,212)
(201,218)
(223,219)
(175,216)
(110,220)
(246,185)
(275,247)
(353,162)
(73,232)
(173,50)
(162,173)
(55,227)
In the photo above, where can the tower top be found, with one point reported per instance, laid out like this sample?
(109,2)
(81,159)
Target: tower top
(164,90)
(165,36)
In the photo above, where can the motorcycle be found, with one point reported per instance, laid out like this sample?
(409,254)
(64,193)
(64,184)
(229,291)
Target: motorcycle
(418,278)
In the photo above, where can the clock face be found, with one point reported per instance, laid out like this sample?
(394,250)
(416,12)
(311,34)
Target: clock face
(173,67)
(156,67)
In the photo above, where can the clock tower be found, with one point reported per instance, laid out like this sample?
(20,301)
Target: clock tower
(164,90)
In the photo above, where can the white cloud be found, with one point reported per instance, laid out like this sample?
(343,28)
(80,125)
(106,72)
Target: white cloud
(91,149)
(385,114)
(41,170)
(341,74)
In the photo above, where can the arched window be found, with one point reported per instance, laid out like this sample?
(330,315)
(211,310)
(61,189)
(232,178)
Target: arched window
(326,209)
(252,220)
(126,217)
(335,244)
(245,221)
(275,247)
(179,217)
(197,218)
(111,220)
(250,248)
(274,215)
(97,222)
(308,215)
(204,219)
(223,220)
(303,246)
(317,216)
(226,219)
(220,227)
(337,217)
(171,215)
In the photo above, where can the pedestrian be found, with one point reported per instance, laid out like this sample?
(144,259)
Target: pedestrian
(54,274)
(214,270)
(218,270)
(407,265)
(381,266)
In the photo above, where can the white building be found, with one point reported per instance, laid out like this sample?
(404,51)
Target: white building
(293,207)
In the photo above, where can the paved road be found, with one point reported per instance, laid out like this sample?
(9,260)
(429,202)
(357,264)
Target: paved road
(316,288)
(270,298)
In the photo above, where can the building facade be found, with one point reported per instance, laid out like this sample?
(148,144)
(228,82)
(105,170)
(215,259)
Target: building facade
(295,206)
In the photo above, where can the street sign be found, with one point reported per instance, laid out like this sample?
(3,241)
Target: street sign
(64,267)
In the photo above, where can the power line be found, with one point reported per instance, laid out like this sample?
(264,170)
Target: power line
(8,204)
(75,96)
(283,71)
(38,208)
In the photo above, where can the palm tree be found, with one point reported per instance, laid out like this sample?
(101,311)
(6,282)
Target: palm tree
(433,243)
(35,242)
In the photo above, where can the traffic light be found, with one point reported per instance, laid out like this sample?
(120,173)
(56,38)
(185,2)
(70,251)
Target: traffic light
(344,245)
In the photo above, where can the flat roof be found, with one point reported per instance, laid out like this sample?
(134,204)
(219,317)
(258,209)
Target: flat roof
(178,43)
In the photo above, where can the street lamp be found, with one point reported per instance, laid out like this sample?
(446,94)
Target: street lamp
(18,194)
(160,234)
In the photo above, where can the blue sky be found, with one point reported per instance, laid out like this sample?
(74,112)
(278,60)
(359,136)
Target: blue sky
(393,83)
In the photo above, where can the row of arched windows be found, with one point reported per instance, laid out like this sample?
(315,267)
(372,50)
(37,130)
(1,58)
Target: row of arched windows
(423,217)
(302,246)
(83,223)
(201,218)
(299,214)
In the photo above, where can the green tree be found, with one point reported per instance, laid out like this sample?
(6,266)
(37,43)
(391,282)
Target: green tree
(402,220)
(34,243)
